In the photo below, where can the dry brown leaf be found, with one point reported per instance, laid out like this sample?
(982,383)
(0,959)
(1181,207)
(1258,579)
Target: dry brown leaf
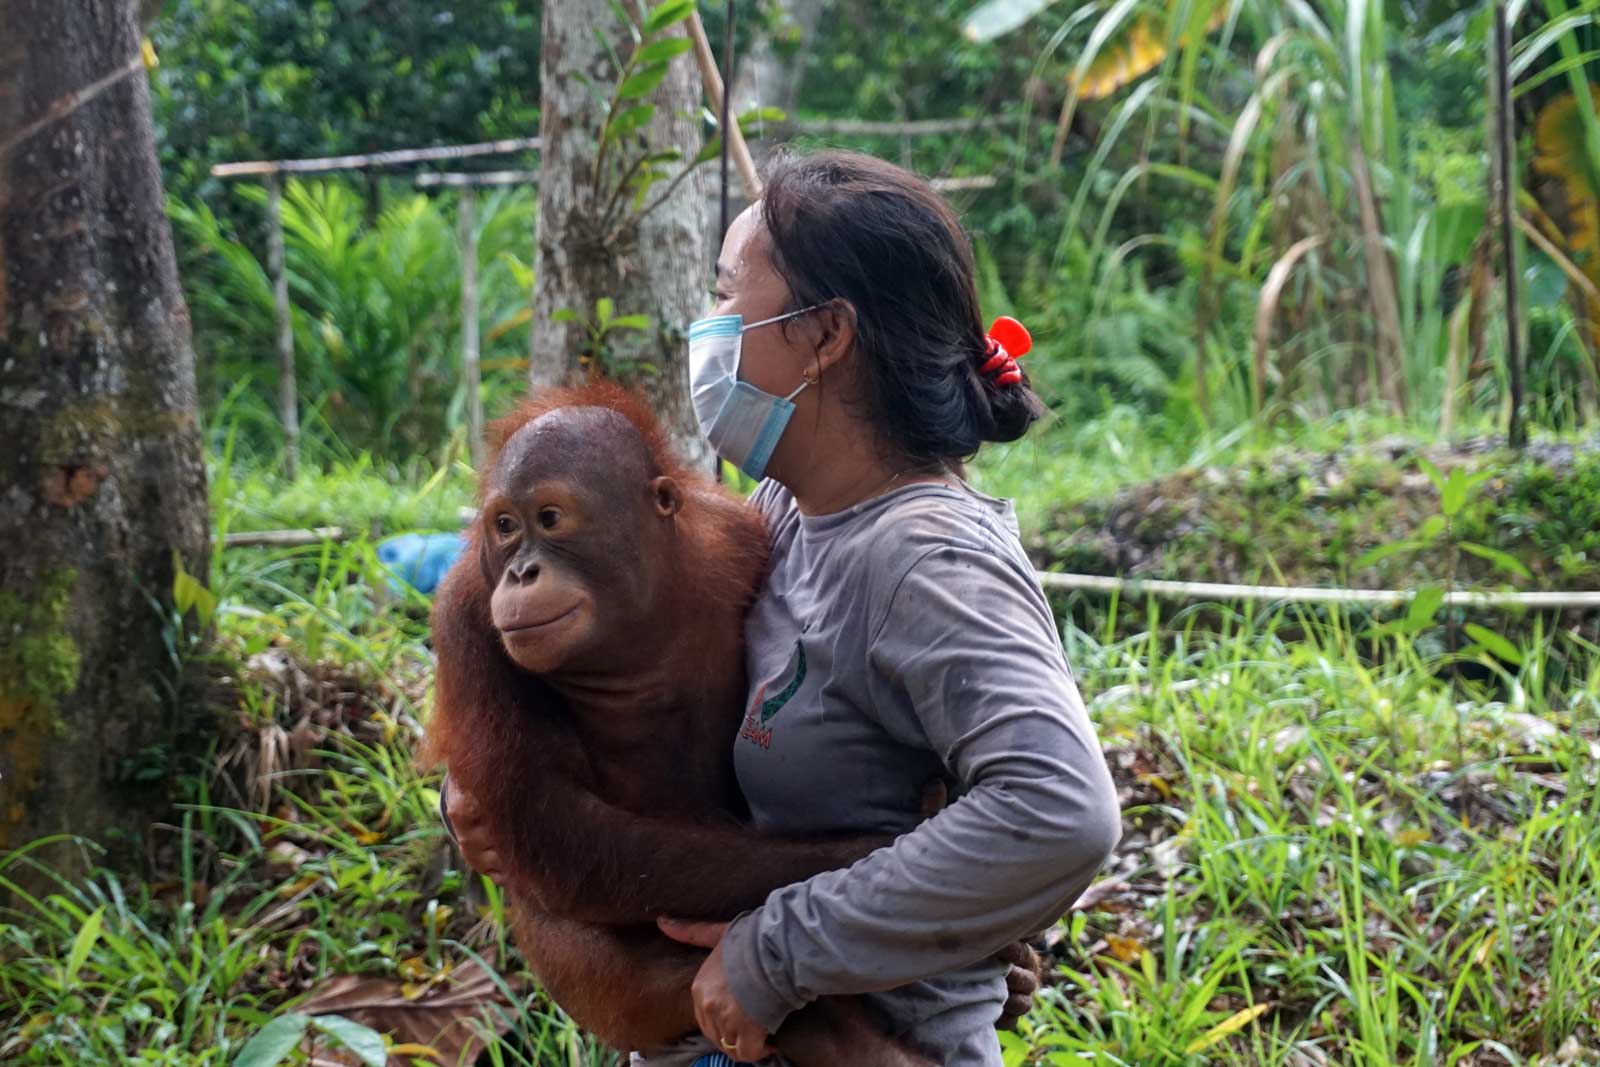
(1098,893)
(1126,949)
(451,1017)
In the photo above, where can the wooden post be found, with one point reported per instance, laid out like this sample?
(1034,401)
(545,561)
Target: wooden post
(711,79)
(1506,145)
(469,325)
(401,157)
(288,400)
(726,111)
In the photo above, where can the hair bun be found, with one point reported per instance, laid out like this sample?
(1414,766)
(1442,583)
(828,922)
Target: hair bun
(842,225)
(1011,405)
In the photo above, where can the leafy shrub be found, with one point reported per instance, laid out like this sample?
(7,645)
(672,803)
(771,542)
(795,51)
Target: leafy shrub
(376,313)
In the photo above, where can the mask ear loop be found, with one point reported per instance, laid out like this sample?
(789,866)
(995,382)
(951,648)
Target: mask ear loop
(806,378)
(786,315)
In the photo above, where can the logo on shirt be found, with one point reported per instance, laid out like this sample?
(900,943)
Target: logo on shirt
(763,707)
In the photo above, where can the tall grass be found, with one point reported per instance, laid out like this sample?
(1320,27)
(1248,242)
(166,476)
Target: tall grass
(1317,175)
(1314,876)
(1312,871)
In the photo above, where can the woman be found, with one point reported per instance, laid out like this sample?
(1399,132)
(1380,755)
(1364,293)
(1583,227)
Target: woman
(901,632)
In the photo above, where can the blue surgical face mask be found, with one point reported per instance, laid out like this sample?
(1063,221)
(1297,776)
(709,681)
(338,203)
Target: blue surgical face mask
(742,423)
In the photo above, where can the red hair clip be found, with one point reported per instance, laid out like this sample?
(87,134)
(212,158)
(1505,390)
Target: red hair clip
(1009,341)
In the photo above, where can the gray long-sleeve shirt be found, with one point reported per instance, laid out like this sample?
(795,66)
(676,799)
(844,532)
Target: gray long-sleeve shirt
(903,638)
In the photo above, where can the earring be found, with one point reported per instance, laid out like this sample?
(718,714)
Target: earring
(809,378)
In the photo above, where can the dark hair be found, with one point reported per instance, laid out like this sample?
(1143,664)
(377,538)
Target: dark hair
(851,227)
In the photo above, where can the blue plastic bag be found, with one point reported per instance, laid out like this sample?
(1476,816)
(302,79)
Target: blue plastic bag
(420,560)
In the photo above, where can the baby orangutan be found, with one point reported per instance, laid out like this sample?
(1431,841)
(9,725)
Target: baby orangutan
(590,681)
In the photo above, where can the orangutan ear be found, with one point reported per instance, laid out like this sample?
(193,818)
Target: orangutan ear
(667,495)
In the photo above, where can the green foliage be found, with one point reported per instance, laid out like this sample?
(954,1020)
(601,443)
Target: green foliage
(1332,511)
(288,79)
(1312,864)
(357,495)
(275,1041)
(598,350)
(319,600)
(1184,189)
(376,312)
(1347,840)
(626,167)
(1309,886)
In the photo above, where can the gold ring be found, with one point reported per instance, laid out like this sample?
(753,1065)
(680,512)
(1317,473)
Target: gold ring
(729,1044)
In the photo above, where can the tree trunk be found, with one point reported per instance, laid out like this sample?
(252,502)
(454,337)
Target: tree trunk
(102,485)
(657,265)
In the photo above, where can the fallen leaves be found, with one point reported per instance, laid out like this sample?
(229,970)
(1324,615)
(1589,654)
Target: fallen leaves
(1126,949)
(446,1015)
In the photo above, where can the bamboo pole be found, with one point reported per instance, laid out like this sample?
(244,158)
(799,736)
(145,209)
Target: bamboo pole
(1380,284)
(1307,594)
(967,183)
(471,379)
(433,180)
(455,180)
(712,81)
(1506,145)
(1098,583)
(964,183)
(288,398)
(398,157)
(725,108)
(1574,275)
(901,128)
(285,538)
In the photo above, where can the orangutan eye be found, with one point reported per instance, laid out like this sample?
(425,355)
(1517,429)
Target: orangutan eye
(504,526)
(548,517)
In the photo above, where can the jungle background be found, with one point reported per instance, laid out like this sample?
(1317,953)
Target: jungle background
(1262,253)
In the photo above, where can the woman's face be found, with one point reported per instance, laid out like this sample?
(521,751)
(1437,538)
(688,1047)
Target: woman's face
(775,357)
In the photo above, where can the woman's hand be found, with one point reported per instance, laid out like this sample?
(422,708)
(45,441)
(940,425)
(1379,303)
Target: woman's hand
(720,1017)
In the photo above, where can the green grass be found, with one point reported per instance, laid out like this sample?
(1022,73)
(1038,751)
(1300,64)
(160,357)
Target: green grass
(1391,871)
(357,494)
(1370,862)
(1063,462)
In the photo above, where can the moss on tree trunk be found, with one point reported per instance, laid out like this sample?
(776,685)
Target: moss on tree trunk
(102,485)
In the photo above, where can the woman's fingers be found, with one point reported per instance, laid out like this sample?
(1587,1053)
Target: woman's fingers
(703,1020)
(699,934)
(716,1009)
(741,1039)
(752,1048)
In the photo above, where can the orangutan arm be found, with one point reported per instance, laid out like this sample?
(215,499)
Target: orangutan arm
(511,752)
